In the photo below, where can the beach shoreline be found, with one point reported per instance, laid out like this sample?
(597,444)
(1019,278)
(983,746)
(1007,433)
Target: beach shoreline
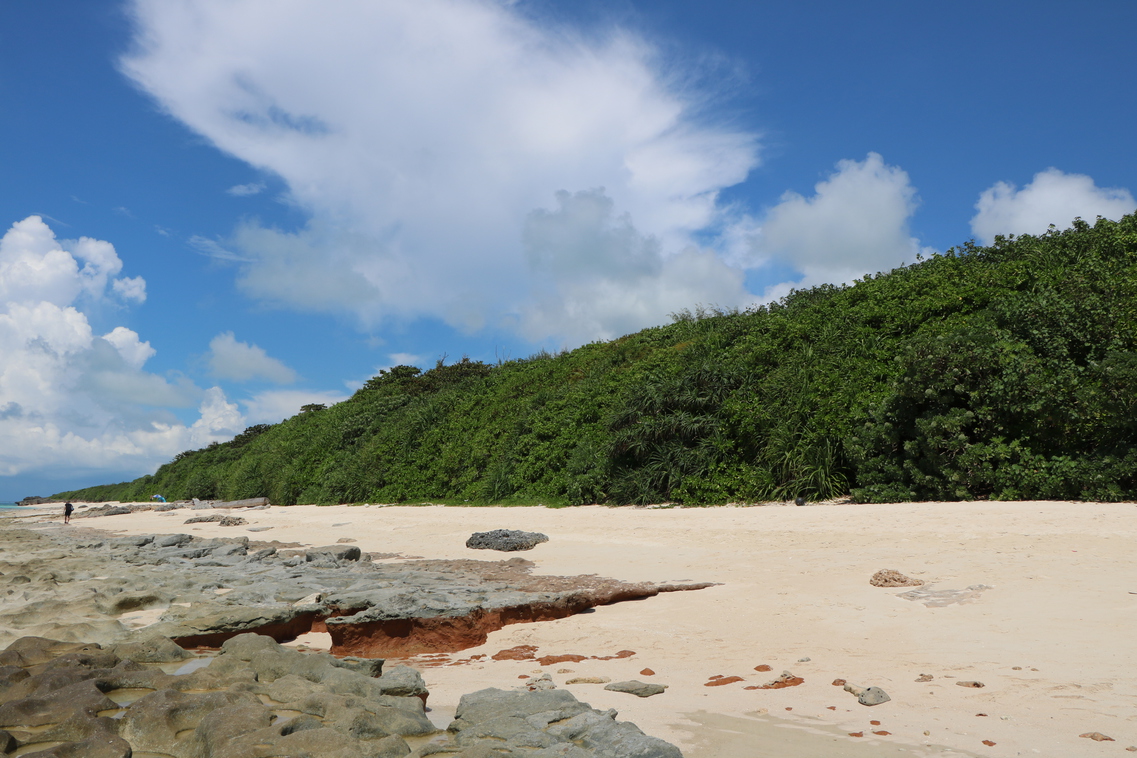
(1054,599)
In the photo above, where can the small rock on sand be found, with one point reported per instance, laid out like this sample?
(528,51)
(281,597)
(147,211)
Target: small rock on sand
(639,689)
(925,678)
(891,578)
(868,695)
(787,679)
(1097,737)
(971,683)
(589,680)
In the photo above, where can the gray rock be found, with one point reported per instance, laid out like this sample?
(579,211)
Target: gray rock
(873,696)
(333,553)
(505,540)
(637,688)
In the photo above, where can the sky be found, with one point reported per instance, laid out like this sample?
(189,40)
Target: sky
(213,212)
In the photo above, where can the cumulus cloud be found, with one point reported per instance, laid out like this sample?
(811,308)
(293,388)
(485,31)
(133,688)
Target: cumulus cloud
(242,362)
(71,400)
(599,277)
(1053,197)
(131,288)
(855,223)
(273,406)
(420,134)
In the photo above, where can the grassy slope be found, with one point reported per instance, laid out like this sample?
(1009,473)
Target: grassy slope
(1008,371)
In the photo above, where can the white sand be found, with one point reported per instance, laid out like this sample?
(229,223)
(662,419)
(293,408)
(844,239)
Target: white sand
(795,584)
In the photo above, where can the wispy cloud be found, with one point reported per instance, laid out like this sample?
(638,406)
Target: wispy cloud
(213,249)
(244,190)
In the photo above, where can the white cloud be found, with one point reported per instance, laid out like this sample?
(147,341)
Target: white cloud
(274,406)
(131,288)
(132,350)
(244,190)
(419,135)
(71,400)
(855,223)
(242,362)
(1053,197)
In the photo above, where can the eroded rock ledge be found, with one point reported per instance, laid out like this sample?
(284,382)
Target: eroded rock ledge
(257,700)
(201,592)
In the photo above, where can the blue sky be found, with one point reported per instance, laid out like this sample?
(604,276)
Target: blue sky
(214,211)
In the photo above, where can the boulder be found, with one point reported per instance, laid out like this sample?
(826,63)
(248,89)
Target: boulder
(505,540)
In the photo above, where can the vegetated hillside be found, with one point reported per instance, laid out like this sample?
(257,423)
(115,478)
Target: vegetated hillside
(1006,372)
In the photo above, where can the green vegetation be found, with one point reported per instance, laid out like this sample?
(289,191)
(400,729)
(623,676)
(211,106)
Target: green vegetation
(1002,372)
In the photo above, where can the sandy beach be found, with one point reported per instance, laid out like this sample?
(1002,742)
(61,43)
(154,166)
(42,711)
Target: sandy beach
(1035,600)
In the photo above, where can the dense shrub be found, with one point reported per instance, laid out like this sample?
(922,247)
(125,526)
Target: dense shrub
(1007,371)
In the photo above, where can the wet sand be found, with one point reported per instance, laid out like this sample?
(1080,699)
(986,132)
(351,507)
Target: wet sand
(1049,634)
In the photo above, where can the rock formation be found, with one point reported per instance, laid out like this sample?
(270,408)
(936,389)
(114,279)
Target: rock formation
(78,679)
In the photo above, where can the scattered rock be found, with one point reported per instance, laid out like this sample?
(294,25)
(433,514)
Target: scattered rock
(971,683)
(988,743)
(345,540)
(786,679)
(539,684)
(518,653)
(836,682)
(639,689)
(719,680)
(589,680)
(647,672)
(868,695)
(1097,737)
(891,578)
(233,521)
(925,678)
(804,660)
(882,733)
(763,667)
(856,734)
(549,660)
(874,723)
(980,714)
(506,540)
(212,517)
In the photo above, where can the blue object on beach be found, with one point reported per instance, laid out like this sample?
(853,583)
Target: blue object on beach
(158,497)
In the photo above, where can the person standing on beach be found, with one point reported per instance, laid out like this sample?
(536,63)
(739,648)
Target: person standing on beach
(67,510)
